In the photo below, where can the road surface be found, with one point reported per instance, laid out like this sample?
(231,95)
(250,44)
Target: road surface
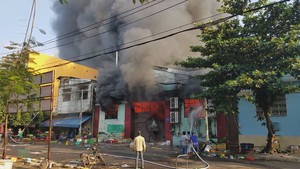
(120,156)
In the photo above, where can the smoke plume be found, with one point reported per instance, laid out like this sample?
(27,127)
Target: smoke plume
(133,76)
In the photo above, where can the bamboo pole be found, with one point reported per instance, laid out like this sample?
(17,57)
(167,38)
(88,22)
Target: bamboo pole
(5,137)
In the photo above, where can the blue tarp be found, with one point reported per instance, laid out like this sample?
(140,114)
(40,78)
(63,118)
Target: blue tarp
(68,122)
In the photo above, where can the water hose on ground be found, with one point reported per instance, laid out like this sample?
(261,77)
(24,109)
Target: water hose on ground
(162,165)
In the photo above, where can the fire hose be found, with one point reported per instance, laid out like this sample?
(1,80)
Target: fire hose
(162,165)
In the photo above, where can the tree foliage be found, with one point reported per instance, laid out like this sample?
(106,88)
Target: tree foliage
(16,81)
(253,52)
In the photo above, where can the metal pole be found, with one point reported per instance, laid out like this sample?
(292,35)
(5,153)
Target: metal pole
(117,58)
(49,136)
(206,120)
(50,120)
(80,114)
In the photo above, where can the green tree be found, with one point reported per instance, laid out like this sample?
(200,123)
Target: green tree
(252,52)
(16,79)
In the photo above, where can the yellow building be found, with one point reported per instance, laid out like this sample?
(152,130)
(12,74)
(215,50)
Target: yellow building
(51,69)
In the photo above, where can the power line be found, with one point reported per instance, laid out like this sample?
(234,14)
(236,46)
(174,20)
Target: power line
(30,20)
(77,31)
(143,43)
(113,29)
(150,36)
(70,34)
(202,26)
(62,36)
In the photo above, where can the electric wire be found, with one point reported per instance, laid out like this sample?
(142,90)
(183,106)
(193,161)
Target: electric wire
(78,31)
(28,24)
(201,26)
(208,24)
(32,23)
(130,42)
(113,29)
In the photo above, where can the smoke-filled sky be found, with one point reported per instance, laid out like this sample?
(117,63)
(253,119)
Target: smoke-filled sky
(123,23)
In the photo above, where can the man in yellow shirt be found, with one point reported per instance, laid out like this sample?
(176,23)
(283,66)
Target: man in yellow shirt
(139,147)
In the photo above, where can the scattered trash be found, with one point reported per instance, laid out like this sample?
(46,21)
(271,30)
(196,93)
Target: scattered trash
(77,161)
(87,146)
(211,155)
(28,160)
(241,157)
(222,155)
(125,166)
(14,159)
(250,158)
(69,166)
(166,143)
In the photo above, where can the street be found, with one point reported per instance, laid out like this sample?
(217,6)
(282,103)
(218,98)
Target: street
(120,156)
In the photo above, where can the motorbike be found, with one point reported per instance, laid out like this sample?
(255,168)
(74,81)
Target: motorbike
(89,160)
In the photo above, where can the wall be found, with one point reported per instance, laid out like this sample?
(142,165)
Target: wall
(108,125)
(252,130)
(75,105)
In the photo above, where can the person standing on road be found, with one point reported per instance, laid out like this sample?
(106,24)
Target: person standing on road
(139,147)
(20,134)
(189,144)
(184,142)
(194,141)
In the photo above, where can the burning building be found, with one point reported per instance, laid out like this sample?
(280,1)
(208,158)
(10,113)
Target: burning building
(135,84)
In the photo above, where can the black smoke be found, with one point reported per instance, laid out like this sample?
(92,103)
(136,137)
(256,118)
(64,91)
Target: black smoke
(133,77)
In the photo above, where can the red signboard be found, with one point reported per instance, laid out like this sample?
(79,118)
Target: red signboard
(194,105)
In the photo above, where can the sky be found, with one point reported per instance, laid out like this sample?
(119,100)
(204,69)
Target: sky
(14,15)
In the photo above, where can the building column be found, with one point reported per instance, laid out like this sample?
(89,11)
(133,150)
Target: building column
(128,121)
(96,121)
(168,130)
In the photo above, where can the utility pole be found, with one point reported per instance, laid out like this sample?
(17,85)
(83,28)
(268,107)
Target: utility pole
(49,134)
(80,114)
(50,121)
(206,120)
(117,59)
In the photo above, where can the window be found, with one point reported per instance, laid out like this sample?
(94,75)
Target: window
(66,95)
(65,82)
(111,112)
(174,117)
(47,77)
(278,109)
(83,90)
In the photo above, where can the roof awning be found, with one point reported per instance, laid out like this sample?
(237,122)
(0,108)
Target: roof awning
(69,122)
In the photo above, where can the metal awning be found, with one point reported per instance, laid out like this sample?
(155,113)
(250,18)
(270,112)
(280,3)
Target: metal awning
(68,122)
